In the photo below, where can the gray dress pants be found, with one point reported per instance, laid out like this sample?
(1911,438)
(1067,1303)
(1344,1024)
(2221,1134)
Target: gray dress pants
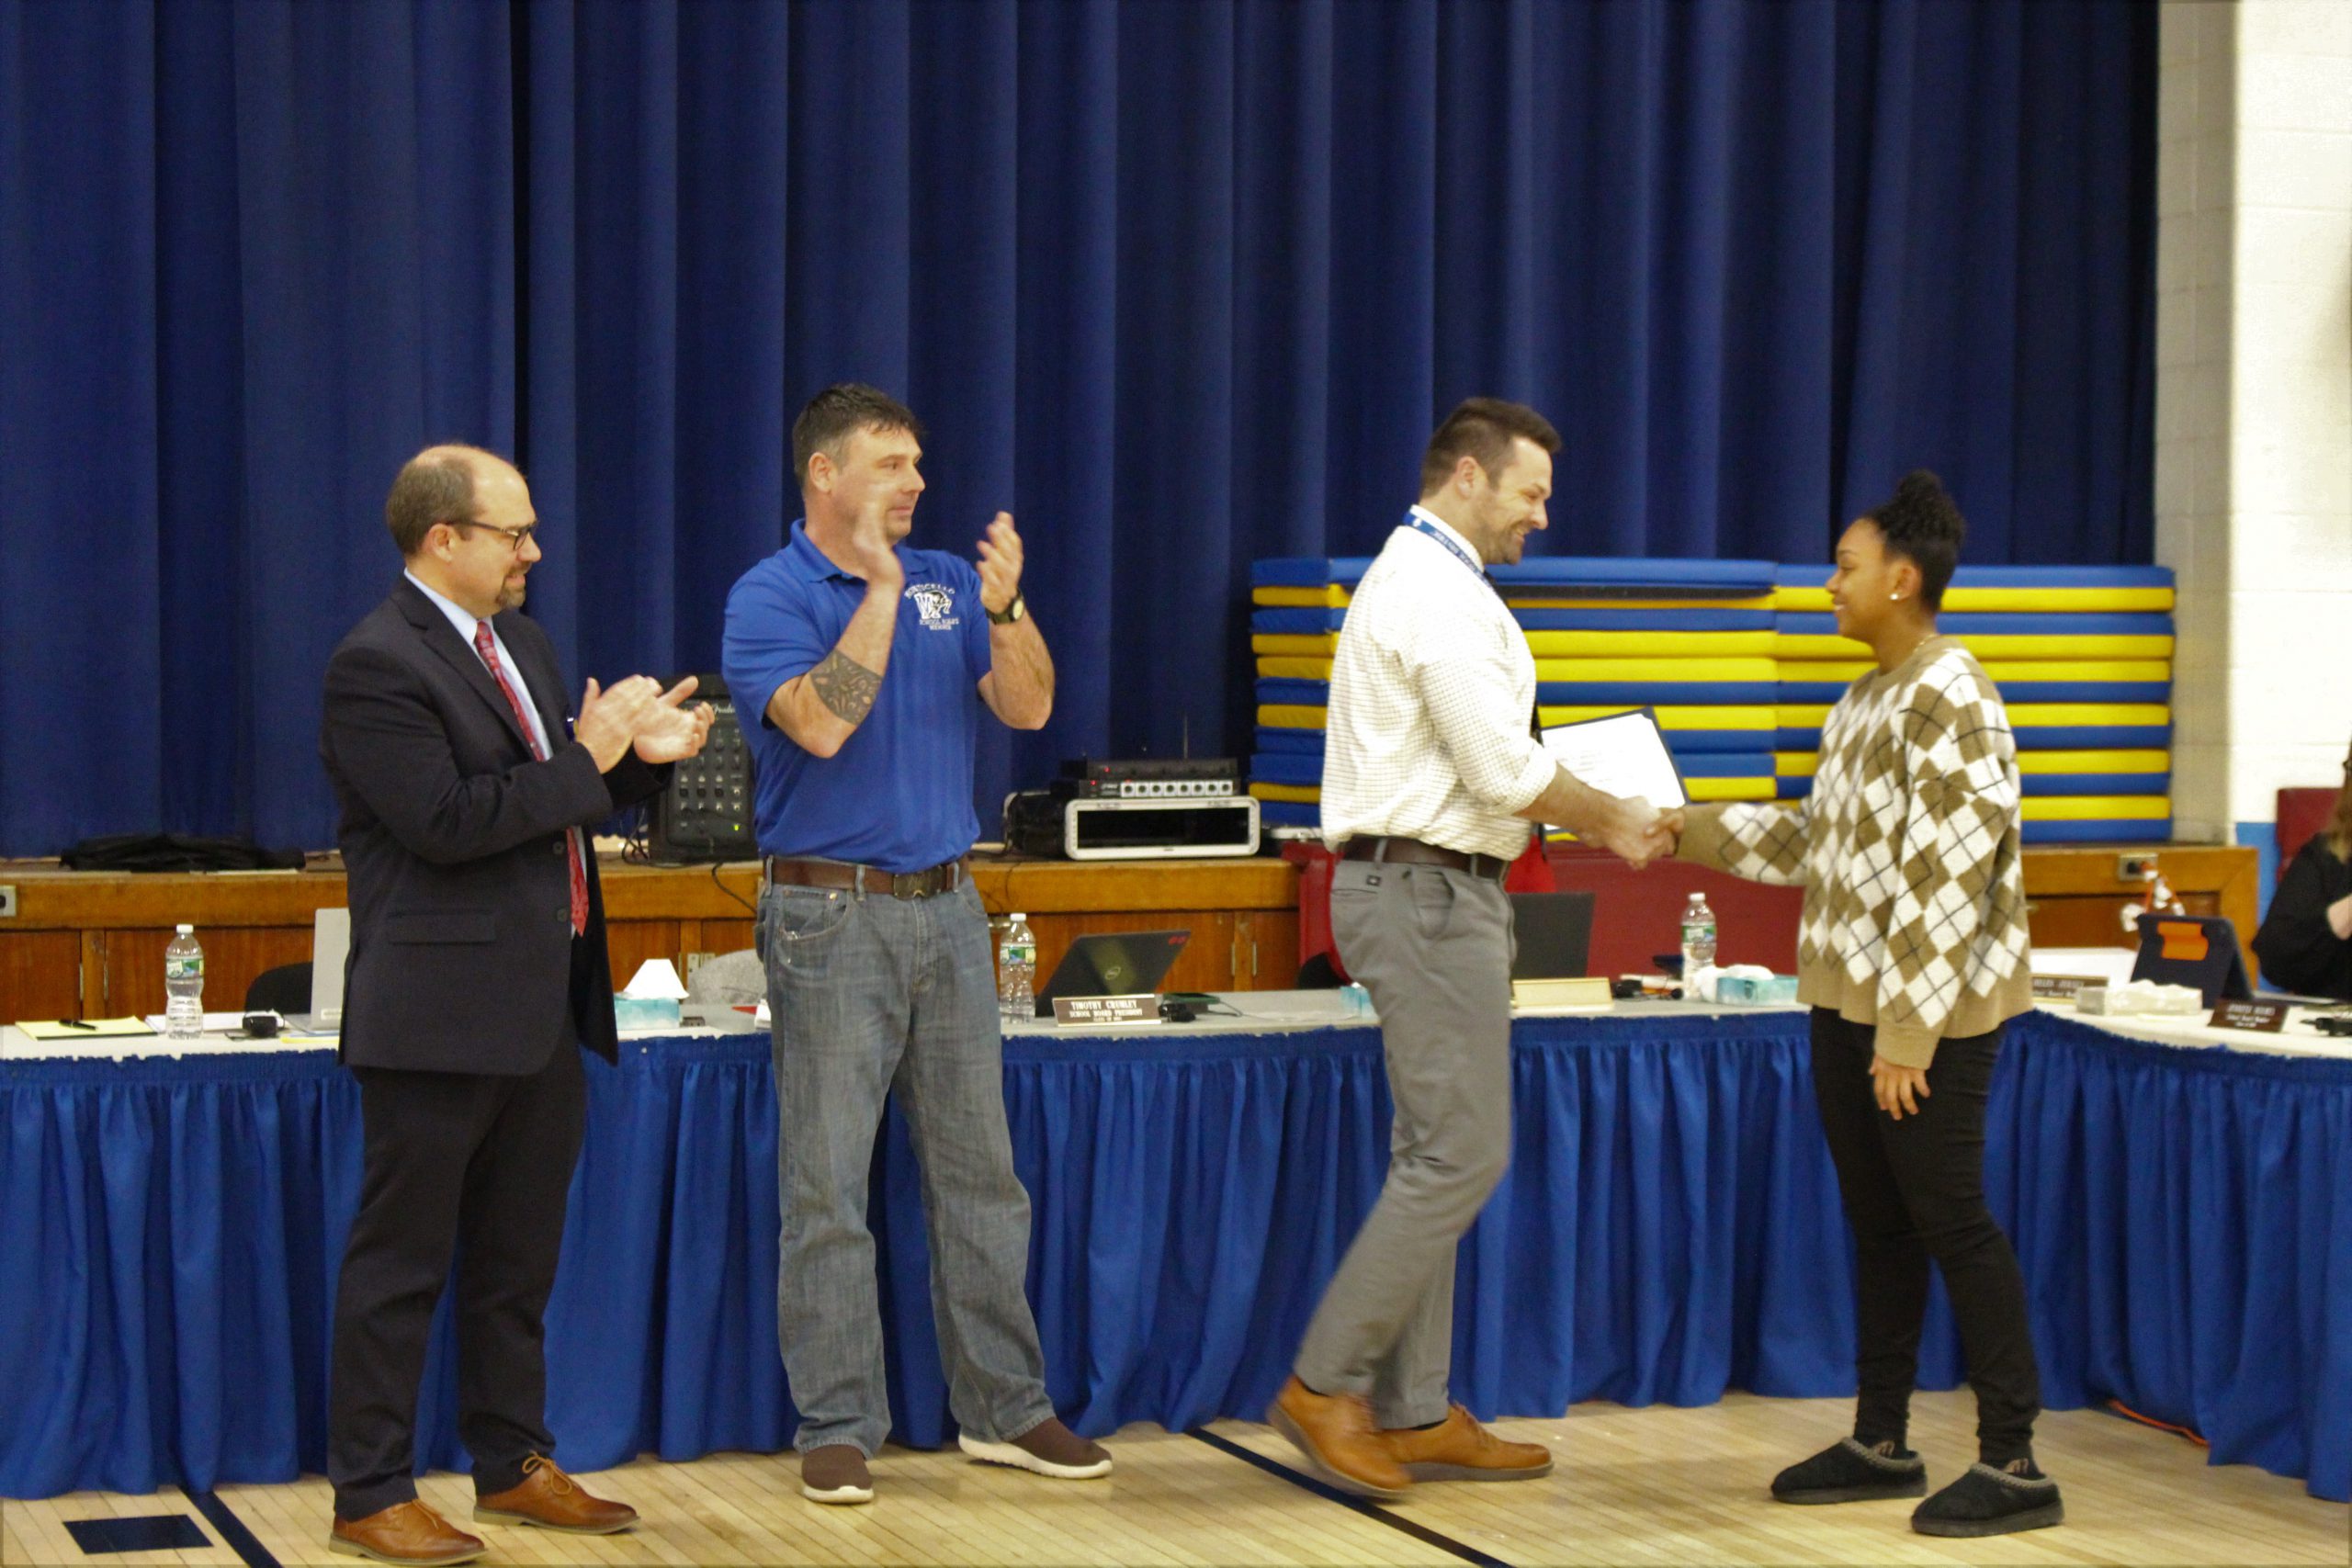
(1433,946)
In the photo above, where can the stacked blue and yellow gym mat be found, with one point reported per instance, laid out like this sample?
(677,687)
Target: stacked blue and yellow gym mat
(1741,660)
(2083,657)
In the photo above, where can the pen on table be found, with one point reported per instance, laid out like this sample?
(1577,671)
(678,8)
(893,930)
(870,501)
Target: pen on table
(75,1023)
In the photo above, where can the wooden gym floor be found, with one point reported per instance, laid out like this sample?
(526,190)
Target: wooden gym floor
(1656,1487)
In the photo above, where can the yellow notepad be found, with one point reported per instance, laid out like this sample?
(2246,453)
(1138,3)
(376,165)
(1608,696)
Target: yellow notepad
(83,1029)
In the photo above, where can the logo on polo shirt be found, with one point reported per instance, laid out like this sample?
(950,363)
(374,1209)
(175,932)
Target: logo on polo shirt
(935,604)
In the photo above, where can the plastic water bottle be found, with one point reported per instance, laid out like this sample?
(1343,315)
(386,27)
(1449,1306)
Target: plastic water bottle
(1698,935)
(184,984)
(1016,972)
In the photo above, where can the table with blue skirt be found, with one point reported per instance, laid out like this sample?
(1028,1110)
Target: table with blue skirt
(171,1230)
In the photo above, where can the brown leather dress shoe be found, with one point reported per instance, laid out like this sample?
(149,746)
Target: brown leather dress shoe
(1335,1432)
(408,1534)
(1459,1449)
(553,1501)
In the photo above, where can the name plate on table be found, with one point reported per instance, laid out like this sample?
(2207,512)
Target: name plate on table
(2262,1017)
(1565,991)
(2062,987)
(1089,1012)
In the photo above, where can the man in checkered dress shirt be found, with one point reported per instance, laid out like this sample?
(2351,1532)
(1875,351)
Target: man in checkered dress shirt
(1432,781)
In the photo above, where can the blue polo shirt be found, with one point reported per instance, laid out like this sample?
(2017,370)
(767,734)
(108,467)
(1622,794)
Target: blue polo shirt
(899,793)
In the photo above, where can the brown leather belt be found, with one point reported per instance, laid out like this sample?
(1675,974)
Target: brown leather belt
(924,883)
(1412,851)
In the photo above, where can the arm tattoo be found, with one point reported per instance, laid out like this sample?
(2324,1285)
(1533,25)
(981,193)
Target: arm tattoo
(846,687)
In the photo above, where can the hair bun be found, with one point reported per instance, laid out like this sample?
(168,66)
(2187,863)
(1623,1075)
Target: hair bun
(1922,522)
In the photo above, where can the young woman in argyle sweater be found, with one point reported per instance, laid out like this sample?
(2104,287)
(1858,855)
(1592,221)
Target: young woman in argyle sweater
(1913,954)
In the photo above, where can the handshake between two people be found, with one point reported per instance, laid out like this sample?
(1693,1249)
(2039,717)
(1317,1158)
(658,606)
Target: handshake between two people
(637,715)
(1635,831)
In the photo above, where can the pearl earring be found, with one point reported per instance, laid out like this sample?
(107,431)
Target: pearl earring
(1895,597)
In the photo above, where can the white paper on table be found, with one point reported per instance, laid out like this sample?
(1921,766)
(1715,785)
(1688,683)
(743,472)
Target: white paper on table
(655,977)
(214,1023)
(1625,754)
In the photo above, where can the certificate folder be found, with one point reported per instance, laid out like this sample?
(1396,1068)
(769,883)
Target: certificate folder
(1621,754)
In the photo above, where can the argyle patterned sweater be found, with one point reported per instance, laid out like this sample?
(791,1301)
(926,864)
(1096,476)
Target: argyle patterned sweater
(1907,850)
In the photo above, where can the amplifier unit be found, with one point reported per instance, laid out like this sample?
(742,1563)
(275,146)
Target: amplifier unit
(1148,778)
(1144,789)
(1040,822)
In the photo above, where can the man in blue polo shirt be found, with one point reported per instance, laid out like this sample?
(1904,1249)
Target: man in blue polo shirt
(870,663)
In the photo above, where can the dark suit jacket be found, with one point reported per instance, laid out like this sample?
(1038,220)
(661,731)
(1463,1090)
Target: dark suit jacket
(453,838)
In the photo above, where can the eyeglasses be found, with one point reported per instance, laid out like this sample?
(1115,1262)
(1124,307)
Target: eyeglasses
(517,537)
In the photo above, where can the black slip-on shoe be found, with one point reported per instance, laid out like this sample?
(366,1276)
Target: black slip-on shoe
(1848,1471)
(1987,1500)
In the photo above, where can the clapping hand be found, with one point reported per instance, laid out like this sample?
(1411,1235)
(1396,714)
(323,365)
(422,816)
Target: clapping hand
(999,565)
(668,731)
(877,556)
(610,716)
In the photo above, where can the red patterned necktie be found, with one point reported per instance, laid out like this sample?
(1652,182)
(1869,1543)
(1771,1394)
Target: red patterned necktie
(486,646)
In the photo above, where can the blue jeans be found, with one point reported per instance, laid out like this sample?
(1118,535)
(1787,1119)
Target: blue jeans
(872,994)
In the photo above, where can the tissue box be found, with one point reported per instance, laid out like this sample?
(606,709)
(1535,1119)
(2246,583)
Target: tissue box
(2174,1001)
(645,1012)
(1746,990)
(2099,999)
(2144,997)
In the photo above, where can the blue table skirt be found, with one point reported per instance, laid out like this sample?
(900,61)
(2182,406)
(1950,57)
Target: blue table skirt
(170,1232)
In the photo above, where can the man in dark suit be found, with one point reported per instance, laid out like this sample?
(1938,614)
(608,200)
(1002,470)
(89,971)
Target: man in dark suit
(476,967)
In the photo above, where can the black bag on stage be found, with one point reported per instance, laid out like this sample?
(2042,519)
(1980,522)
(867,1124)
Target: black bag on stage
(177,851)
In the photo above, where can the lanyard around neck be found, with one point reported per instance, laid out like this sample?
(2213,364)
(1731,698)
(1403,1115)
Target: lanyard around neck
(1423,524)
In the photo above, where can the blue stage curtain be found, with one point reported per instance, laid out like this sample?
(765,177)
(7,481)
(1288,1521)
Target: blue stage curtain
(1181,285)
(169,1235)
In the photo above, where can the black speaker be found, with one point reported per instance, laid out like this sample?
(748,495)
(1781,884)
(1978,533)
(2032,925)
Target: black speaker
(705,814)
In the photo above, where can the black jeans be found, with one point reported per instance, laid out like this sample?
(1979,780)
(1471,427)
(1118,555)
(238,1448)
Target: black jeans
(1914,1189)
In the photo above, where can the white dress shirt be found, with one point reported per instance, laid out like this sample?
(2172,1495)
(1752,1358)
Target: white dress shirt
(1432,684)
(464,621)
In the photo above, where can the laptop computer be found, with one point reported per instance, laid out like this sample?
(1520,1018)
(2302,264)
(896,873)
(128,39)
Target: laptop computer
(1112,964)
(1553,933)
(329,951)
